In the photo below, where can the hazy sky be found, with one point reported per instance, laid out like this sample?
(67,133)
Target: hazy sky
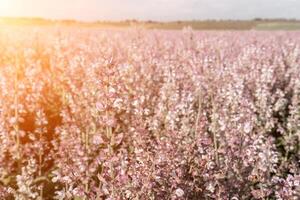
(151,9)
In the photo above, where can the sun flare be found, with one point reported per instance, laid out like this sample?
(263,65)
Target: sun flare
(8,8)
(4,5)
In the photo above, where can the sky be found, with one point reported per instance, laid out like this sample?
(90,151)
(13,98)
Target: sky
(158,10)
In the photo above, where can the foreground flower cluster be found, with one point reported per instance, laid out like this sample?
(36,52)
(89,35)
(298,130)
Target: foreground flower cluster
(136,114)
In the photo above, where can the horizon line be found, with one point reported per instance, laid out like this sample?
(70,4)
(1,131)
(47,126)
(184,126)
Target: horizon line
(145,20)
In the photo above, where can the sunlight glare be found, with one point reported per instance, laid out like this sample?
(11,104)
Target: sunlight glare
(8,8)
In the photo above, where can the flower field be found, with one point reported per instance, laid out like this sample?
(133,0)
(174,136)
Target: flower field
(149,114)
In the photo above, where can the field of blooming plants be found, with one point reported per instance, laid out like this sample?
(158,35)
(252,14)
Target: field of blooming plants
(147,114)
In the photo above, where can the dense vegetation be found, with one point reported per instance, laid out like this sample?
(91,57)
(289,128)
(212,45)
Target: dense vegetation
(255,24)
(140,114)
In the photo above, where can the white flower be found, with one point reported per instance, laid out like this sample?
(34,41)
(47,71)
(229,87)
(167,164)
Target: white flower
(100,107)
(12,120)
(128,194)
(222,125)
(179,192)
(135,103)
(112,90)
(118,103)
(210,187)
(247,127)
